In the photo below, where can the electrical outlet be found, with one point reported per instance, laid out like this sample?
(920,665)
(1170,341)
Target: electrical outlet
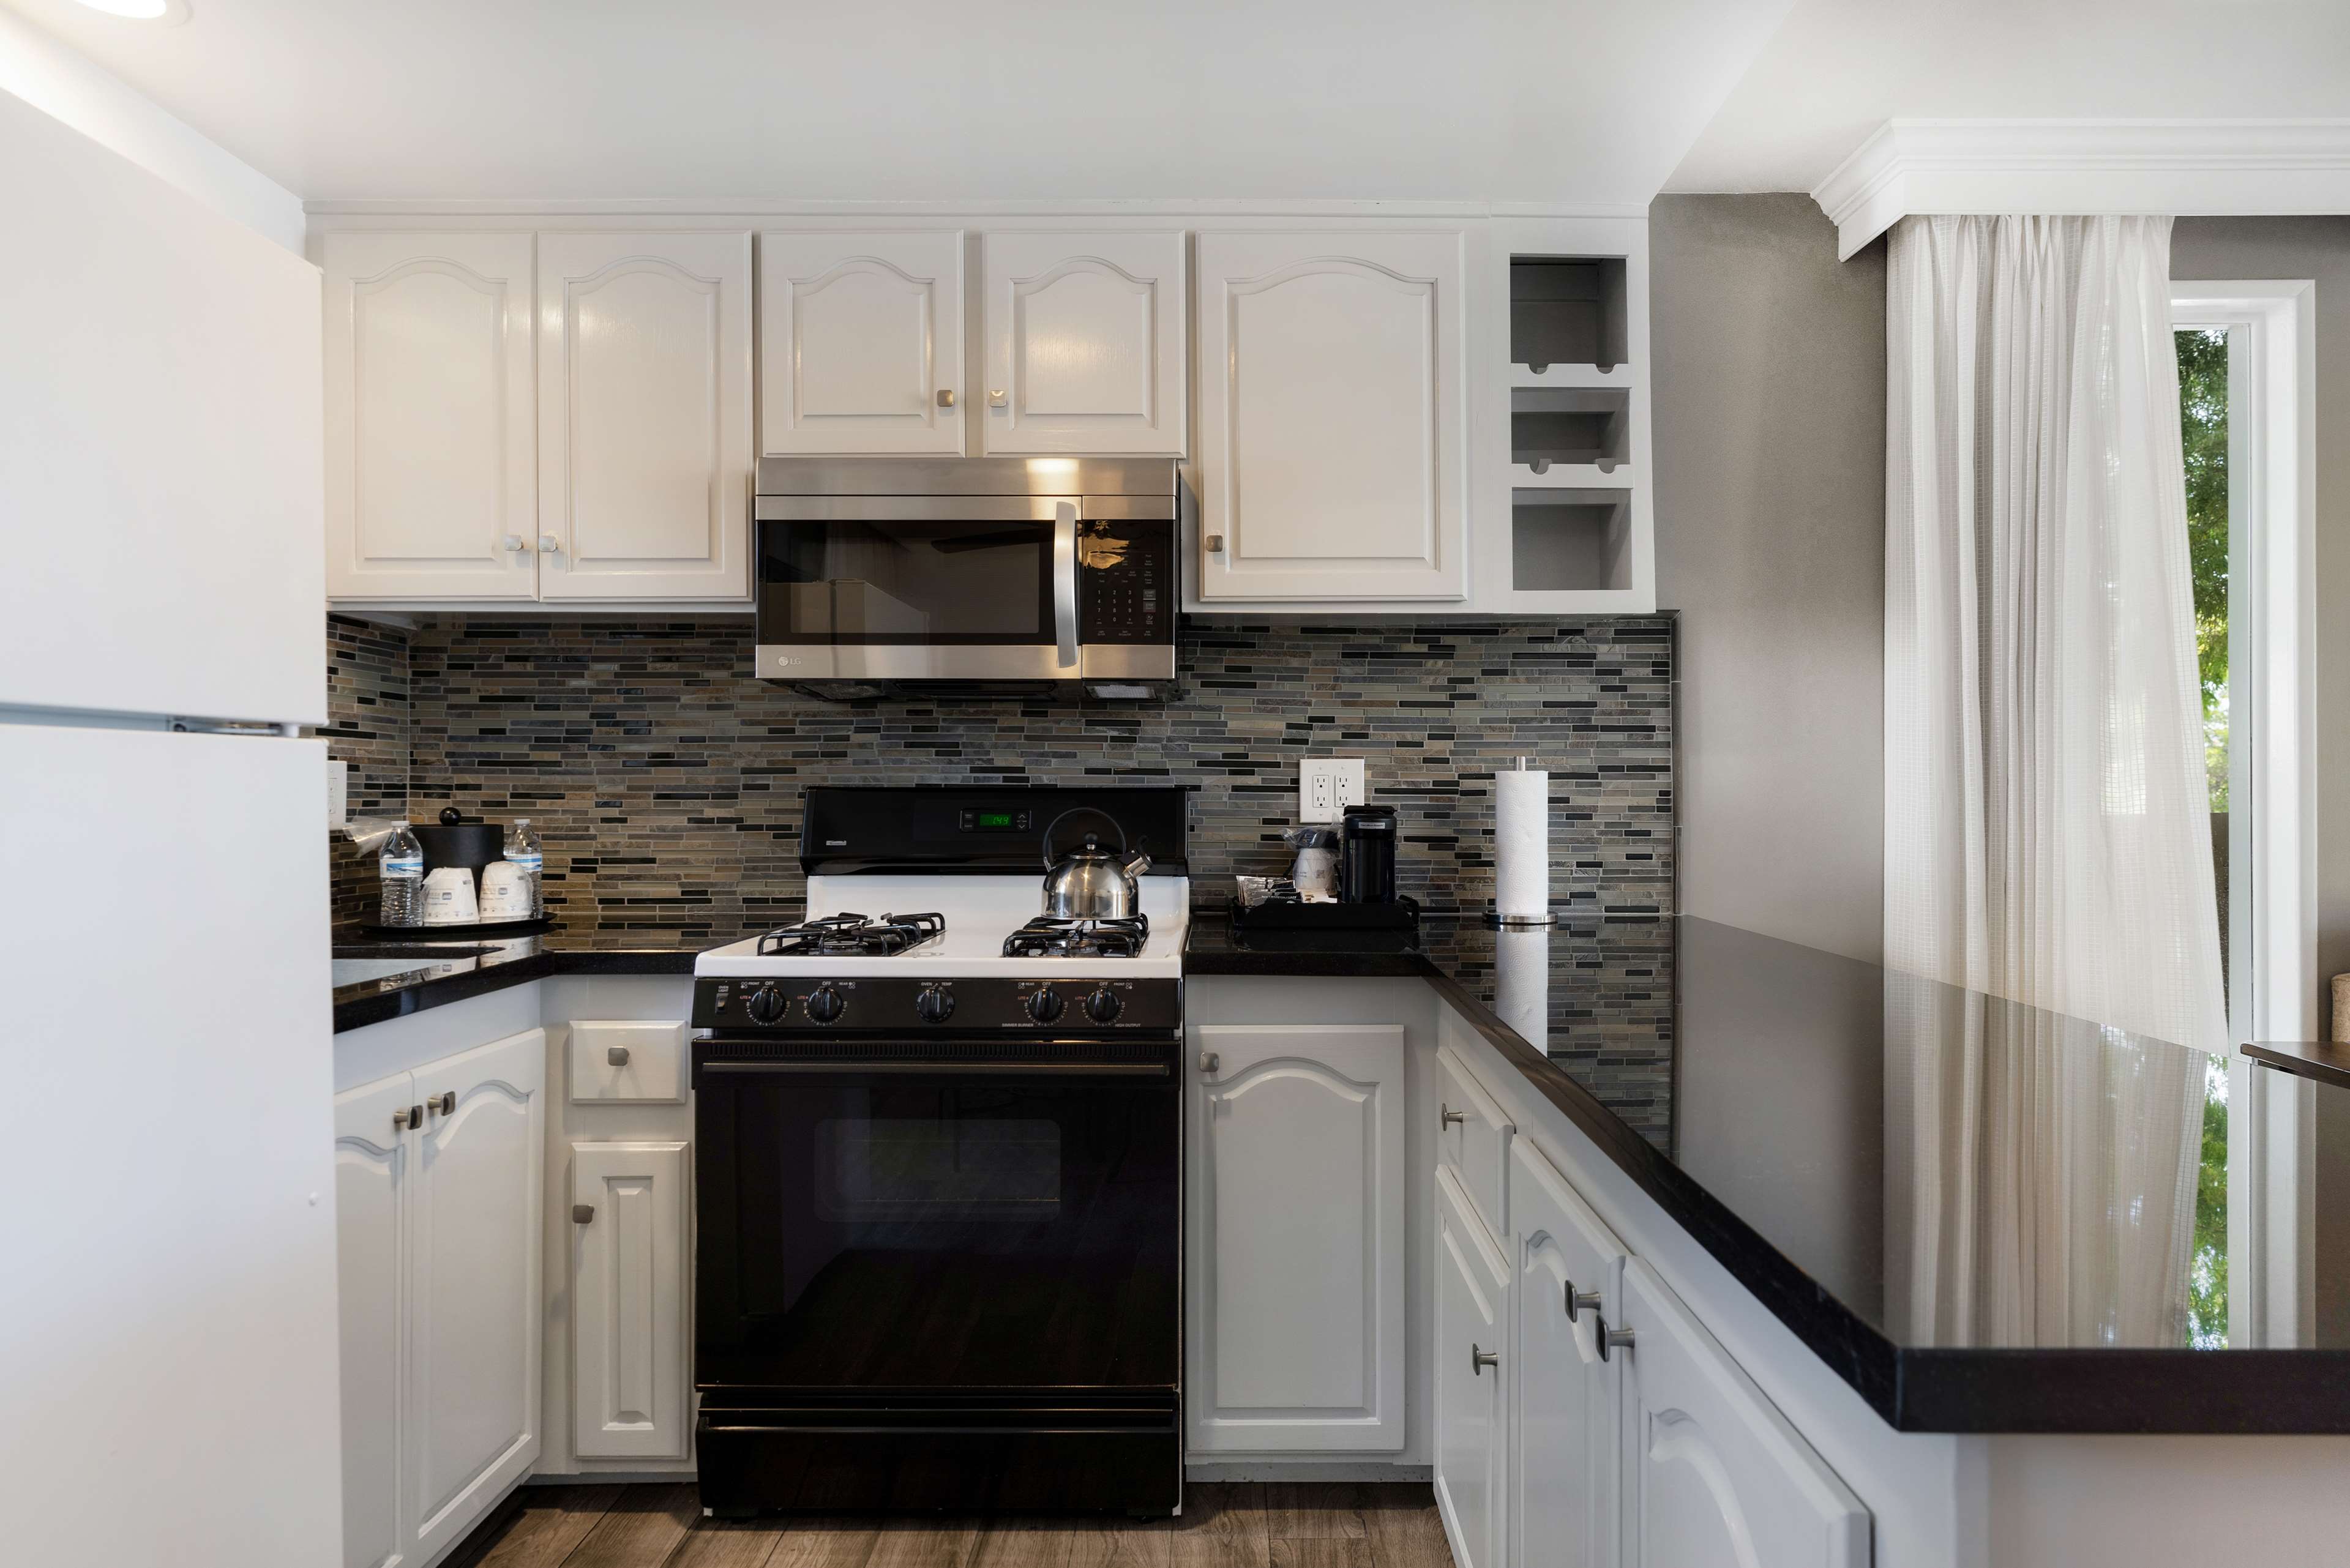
(1327,786)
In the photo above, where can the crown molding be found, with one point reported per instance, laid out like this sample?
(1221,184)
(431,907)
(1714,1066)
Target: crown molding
(2205,167)
(722,210)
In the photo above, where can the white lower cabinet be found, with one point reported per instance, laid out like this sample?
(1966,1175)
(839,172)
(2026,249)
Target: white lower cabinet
(1296,1249)
(1568,1400)
(1472,1378)
(630,1360)
(438,1217)
(1713,1475)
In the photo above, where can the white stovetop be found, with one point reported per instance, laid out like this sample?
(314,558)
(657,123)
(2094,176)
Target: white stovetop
(980,911)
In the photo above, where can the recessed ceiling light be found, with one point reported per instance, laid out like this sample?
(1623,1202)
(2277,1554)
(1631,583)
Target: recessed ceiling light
(169,12)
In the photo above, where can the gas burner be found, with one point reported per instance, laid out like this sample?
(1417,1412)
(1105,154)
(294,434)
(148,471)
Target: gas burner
(1048,936)
(852,936)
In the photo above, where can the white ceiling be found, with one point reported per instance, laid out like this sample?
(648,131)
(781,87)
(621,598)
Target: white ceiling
(1837,70)
(1550,101)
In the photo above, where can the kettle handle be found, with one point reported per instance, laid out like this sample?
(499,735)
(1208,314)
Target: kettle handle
(1053,827)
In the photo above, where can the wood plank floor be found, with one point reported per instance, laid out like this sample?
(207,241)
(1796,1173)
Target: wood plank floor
(1224,1525)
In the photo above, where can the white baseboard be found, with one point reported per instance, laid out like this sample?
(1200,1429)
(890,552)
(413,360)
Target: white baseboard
(1204,1471)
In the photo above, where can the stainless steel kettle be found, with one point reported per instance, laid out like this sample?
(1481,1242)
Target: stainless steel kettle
(1090,883)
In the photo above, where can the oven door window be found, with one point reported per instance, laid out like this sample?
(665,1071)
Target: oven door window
(963,1234)
(911,584)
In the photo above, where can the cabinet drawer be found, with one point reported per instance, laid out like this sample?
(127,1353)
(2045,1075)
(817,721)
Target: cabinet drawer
(1473,1138)
(629,1062)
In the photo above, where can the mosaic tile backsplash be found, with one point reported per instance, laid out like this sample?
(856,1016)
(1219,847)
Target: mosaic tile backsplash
(666,781)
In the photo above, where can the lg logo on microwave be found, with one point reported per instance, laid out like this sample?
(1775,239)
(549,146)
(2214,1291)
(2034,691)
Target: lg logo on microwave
(789,658)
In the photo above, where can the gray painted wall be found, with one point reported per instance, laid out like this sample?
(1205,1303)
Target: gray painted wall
(1769,402)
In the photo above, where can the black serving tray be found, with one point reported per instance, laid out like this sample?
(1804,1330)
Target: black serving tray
(445,933)
(1402,916)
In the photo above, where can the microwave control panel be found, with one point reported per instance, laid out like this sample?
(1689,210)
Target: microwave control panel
(1125,582)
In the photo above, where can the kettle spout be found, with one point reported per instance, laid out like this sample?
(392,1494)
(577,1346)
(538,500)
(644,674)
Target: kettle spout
(1137,863)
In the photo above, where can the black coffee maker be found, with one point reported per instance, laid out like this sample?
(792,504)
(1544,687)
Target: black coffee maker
(1366,855)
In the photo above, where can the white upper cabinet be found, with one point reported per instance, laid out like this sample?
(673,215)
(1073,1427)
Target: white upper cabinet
(429,424)
(860,342)
(1331,427)
(1086,343)
(644,415)
(1562,1482)
(1296,1235)
(1714,1476)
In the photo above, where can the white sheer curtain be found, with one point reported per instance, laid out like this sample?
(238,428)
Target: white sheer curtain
(2046,826)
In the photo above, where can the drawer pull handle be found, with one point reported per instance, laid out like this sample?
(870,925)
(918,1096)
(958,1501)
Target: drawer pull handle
(581,1213)
(1481,1359)
(1446,1116)
(617,1055)
(1580,1301)
(1610,1338)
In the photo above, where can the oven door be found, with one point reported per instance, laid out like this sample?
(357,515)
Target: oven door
(918,588)
(942,1226)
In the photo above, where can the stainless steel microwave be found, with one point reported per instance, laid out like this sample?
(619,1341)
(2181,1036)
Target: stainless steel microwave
(973,576)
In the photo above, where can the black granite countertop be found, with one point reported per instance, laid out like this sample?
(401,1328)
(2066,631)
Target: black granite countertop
(1981,1216)
(477,968)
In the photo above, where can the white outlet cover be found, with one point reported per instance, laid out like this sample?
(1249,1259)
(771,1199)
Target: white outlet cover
(1327,786)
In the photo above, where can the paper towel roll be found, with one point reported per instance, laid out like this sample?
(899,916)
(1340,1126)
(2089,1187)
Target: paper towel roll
(1521,843)
(1521,992)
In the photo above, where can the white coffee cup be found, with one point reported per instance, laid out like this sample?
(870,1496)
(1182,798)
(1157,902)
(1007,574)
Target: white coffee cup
(505,891)
(449,898)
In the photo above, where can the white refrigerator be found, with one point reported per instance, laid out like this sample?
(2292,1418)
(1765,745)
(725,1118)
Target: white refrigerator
(167,1249)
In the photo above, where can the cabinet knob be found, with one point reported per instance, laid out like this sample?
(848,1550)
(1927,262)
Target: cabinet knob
(997,397)
(1481,1359)
(413,1117)
(1216,543)
(617,1055)
(946,397)
(549,543)
(1580,1301)
(446,1104)
(582,1213)
(513,540)
(1609,1338)
(1445,1116)
(1209,1060)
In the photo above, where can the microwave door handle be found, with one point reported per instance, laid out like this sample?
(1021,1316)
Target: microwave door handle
(1065,581)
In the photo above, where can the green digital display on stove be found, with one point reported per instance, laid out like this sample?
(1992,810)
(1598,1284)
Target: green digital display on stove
(995,819)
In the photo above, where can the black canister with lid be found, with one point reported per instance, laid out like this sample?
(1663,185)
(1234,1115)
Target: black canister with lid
(1366,855)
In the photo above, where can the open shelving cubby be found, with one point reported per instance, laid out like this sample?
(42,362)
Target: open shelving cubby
(1568,313)
(1586,428)
(1570,540)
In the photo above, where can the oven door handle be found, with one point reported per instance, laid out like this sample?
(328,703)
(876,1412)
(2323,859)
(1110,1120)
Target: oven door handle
(954,1069)
(1065,581)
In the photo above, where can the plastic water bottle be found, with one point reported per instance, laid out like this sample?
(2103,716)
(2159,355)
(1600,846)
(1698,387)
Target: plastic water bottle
(522,848)
(401,866)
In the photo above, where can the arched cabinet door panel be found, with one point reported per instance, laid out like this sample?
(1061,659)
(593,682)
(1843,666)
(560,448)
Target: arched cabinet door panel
(1564,1453)
(476,1241)
(1474,1369)
(644,415)
(1294,1257)
(430,478)
(1086,343)
(1714,1475)
(1332,432)
(860,337)
(373,1151)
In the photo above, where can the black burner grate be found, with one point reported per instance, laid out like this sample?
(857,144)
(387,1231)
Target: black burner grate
(853,936)
(1047,936)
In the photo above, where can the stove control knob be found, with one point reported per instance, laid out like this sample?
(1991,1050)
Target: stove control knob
(766,1005)
(1103,1006)
(825,1005)
(1045,1005)
(935,1005)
